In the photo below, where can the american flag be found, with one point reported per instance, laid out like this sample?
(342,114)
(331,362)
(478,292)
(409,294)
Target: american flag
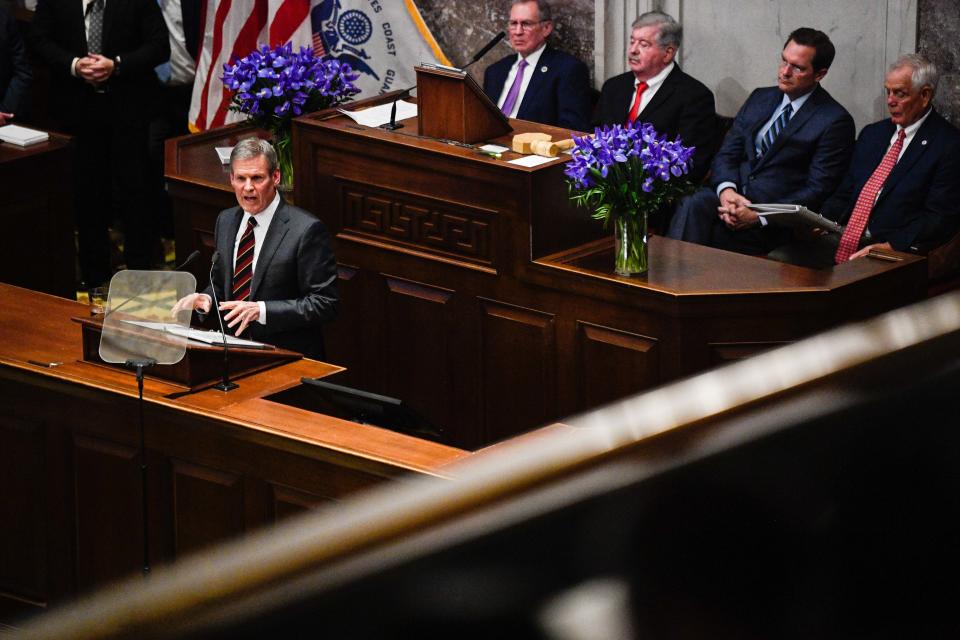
(231,29)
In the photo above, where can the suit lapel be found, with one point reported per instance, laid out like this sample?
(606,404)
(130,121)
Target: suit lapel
(228,237)
(764,110)
(275,234)
(537,80)
(109,11)
(663,93)
(918,146)
(80,28)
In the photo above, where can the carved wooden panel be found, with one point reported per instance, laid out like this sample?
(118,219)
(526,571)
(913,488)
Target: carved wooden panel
(342,341)
(613,364)
(435,227)
(288,501)
(518,371)
(109,510)
(208,506)
(417,327)
(724,352)
(23,534)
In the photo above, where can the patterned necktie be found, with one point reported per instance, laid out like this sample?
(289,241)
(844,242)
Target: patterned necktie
(635,109)
(243,267)
(95,37)
(850,239)
(767,140)
(511,100)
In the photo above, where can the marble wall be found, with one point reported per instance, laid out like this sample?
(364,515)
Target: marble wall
(940,41)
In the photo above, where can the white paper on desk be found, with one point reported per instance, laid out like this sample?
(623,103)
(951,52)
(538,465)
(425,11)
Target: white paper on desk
(22,136)
(208,337)
(494,148)
(380,114)
(531,161)
(224,154)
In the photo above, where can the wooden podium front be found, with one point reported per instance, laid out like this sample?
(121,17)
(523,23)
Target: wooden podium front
(474,290)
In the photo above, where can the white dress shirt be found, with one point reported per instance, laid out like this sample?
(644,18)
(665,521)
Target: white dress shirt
(264,218)
(653,85)
(528,72)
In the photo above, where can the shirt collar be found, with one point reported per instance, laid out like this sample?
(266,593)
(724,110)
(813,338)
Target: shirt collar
(265,216)
(912,129)
(658,79)
(798,103)
(533,58)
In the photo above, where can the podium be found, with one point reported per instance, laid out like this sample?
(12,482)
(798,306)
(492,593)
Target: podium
(201,366)
(452,106)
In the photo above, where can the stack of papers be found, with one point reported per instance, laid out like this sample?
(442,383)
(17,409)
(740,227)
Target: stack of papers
(380,114)
(22,136)
(795,215)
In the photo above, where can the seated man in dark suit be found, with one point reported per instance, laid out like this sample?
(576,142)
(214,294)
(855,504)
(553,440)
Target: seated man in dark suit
(657,91)
(276,273)
(788,144)
(903,186)
(15,71)
(540,83)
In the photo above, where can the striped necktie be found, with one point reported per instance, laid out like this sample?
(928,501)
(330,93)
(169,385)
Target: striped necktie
(767,140)
(850,239)
(243,267)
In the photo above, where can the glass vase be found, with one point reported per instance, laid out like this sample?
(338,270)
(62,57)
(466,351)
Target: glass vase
(630,243)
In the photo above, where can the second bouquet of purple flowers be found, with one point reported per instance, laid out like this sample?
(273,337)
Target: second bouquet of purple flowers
(274,85)
(623,174)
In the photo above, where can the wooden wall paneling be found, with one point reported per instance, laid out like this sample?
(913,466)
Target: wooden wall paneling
(287,501)
(23,535)
(518,372)
(108,510)
(342,341)
(612,364)
(418,346)
(208,505)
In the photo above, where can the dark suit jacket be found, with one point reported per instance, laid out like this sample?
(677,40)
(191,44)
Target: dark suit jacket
(558,93)
(805,163)
(296,276)
(920,201)
(682,106)
(15,71)
(132,29)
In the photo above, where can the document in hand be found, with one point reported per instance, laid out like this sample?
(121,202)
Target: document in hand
(797,216)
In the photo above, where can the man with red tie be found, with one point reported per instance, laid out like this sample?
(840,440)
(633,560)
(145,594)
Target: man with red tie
(903,186)
(657,91)
(276,275)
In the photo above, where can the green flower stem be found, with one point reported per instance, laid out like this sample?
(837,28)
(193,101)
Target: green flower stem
(281,143)
(630,245)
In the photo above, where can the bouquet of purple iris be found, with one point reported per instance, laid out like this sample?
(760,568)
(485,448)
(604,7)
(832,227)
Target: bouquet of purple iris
(625,173)
(272,86)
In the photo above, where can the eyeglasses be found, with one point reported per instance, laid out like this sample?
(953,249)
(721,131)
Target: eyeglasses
(794,68)
(526,25)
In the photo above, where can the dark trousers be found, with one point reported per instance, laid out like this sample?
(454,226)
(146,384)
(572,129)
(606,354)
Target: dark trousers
(169,120)
(696,220)
(110,182)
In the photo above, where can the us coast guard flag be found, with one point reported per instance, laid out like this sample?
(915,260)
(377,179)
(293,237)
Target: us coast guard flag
(381,39)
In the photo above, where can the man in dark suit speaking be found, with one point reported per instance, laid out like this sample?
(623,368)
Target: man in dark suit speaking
(276,273)
(788,144)
(903,186)
(539,83)
(657,91)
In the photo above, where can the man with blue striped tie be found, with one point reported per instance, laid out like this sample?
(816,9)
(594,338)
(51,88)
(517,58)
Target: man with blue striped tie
(788,144)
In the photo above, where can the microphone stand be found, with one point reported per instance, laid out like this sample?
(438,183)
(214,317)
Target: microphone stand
(392,125)
(140,365)
(225,384)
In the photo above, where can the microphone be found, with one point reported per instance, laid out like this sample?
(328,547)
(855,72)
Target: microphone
(490,45)
(190,258)
(224,384)
(392,125)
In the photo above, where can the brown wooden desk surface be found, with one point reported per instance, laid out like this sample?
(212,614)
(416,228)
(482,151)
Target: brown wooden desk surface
(219,464)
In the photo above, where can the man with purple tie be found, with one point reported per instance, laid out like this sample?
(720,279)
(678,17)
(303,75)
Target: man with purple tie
(539,83)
